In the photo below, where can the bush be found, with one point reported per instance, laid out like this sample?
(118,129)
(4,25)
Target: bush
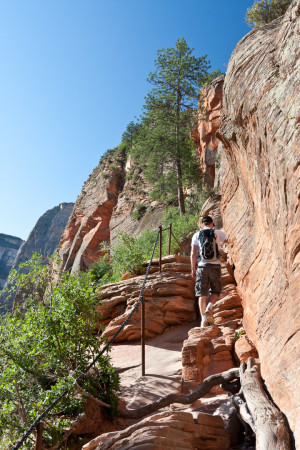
(45,348)
(265,11)
(139,211)
(100,268)
(182,225)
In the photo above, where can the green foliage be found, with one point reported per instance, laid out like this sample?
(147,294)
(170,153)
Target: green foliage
(238,334)
(100,268)
(265,11)
(164,147)
(182,226)
(44,348)
(139,211)
(128,254)
(130,136)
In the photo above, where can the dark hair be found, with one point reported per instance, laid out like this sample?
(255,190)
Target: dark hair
(207,219)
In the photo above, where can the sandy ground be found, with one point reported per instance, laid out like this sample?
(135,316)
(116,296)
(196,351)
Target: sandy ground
(162,362)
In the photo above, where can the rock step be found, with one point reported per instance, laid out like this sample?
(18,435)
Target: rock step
(168,430)
(169,259)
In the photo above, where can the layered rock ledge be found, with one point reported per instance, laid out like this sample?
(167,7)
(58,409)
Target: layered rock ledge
(169,300)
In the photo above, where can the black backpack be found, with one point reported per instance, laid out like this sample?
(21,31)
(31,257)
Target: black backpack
(208,247)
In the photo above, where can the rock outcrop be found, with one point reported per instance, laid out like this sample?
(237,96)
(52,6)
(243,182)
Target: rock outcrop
(112,194)
(168,430)
(9,246)
(260,184)
(169,300)
(205,134)
(46,234)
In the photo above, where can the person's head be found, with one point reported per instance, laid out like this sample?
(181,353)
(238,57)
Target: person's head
(206,221)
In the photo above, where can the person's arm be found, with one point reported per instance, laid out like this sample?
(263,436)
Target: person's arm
(194,253)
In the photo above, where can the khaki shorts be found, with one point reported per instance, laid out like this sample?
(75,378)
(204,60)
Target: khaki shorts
(208,279)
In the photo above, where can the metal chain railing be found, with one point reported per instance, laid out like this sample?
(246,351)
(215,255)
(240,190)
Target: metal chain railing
(108,344)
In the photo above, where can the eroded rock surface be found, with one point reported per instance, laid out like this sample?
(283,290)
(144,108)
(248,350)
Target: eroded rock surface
(170,430)
(45,235)
(89,222)
(205,134)
(111,196)
(260,184)
(169,300)
(9,246)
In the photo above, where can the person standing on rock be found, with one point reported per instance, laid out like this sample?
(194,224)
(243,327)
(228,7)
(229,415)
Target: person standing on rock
(206,244)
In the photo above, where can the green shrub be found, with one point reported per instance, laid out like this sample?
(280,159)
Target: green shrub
(45,348)
(100,268)
(139,211)
(182,225)
(238,334)
(265,11)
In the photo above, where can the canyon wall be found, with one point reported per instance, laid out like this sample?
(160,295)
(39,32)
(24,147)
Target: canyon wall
(45,235)
(205,134)
(260,186)
(9,246)
(106,206)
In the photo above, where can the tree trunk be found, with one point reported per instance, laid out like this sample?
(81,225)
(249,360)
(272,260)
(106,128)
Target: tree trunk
(179,187)
(265,419)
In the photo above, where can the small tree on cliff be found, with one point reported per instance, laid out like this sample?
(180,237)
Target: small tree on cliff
(265,11)
(164,148)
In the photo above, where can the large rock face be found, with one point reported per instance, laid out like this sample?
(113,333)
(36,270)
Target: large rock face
(9,246)
(205,134)
(105,207)
(260,185)
(46,234)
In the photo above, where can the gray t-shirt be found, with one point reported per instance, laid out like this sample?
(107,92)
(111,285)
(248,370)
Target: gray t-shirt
(220,238)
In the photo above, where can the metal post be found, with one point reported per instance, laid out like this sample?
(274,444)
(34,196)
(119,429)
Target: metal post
(160,246)
(143,335)
(170,235)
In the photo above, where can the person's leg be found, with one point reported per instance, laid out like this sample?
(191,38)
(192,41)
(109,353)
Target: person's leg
(201,290)
(202,304)
(215,288)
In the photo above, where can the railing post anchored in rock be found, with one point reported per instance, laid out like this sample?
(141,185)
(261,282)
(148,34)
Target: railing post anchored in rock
(143,334)
(160,246)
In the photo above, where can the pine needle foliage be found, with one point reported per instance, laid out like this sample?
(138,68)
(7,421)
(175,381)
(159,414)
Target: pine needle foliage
(265,11)
(164,147)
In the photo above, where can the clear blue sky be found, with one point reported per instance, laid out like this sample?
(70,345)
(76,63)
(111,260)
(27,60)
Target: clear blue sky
(73,75)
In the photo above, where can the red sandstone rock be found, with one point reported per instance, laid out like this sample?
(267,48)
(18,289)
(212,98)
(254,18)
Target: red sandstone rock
(89,222)
(205,135)
(243,349)
(170,430)
(260,198)
(169,300)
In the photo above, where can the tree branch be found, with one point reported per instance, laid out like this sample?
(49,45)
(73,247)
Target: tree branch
(203,389)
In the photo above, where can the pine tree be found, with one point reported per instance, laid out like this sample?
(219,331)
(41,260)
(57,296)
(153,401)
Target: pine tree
(164,145)
(265,11)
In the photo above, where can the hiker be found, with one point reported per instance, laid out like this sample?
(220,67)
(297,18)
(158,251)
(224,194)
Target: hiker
(206,244)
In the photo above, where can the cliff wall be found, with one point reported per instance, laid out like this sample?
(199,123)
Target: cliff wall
(45,236)
(205,134)
(106,207)
(260,184)
(9,246)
